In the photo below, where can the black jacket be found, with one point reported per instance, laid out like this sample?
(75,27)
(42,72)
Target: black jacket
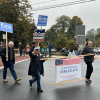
(32,49)
(33,67)
(3,54)
(88,50)
(20,47)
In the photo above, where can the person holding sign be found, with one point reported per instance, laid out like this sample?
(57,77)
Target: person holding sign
(9,63)
(35,68)
(88,49)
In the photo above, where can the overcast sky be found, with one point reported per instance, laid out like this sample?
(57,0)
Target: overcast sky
(89,12)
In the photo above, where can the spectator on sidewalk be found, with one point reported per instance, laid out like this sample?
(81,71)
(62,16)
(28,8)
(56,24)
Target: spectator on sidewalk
(50,47)
(20,49)
(27,47)
(75,49)
(24,52)
(58,49)
(10,63)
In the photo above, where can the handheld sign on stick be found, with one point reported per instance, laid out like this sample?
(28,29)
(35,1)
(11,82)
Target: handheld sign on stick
(6,28)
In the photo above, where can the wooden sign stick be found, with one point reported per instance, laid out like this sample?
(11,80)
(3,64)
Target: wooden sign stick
(67,56)
(6,47)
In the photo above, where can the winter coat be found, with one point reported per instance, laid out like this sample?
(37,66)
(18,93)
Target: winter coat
(50,46)
(88,50)
(3,54)
(33,67)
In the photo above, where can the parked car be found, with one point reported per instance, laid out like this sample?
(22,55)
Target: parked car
(53,50)
(97,50)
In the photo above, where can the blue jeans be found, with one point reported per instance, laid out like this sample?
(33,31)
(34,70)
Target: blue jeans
(75,51)
(37,78)
(50,52)
(9,64)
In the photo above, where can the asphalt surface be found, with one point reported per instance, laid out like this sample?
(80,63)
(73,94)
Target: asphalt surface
(79,90)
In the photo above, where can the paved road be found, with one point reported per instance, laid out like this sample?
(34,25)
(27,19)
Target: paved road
(70,91)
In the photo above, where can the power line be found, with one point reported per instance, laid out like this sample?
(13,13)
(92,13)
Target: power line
(60,5)
(43,2)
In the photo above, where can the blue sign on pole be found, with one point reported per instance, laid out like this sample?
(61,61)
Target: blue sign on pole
(6,27)
(42,20)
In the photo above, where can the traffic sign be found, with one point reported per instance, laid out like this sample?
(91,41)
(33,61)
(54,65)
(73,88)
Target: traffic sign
(39,35)
(42,20)
(6,27)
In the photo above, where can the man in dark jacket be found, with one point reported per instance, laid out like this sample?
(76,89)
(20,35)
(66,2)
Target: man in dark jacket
(88,60)
(9,63)
(50,47)
(20,49)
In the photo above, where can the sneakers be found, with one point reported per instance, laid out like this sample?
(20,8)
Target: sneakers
(88,80)
(17,80)
(5,80)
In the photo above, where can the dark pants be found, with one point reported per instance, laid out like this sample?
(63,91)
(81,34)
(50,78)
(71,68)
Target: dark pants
(63,51)
(9,64)
(89,70)
(37,78)
(20,52)
(50,52)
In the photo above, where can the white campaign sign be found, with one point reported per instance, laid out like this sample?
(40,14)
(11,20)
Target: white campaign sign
(70,71)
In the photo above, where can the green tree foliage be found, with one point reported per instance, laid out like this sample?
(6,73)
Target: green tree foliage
(61,40)
(97,39)
(74,21)
(98,30)
(16,12)
(90,35)
(51,34)
(63,23)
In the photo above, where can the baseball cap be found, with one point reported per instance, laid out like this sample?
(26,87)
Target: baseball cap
(34,43)
(36,48)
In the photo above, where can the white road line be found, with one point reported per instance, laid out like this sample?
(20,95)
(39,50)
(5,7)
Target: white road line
(15,62)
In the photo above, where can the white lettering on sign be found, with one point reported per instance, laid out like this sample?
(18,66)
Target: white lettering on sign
(42,18)
(3,25)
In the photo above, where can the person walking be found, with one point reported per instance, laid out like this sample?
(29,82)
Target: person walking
(20,49)
(10,63)
(35,68)
(75,49)
(50,47)
(24,52)
(88,49)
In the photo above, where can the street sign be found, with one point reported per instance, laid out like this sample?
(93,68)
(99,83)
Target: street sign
(4,36)
(80,34)
(39,35)
(42,20)
(6,27)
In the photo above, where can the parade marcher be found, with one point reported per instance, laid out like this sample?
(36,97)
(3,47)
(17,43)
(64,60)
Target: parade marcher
(10,63)
(20,49)
(35,68)
(75,49)
(88,49)
(63,50)
(50,47)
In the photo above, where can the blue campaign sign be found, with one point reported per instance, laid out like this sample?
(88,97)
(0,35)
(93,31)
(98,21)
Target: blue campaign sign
(6,27)
(42,20)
